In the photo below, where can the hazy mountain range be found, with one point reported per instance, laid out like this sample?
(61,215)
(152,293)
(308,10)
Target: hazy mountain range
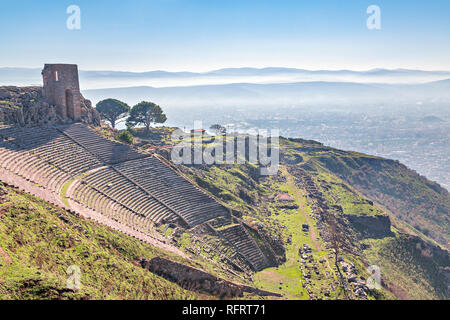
(114,79)
(342,94)
(256,87)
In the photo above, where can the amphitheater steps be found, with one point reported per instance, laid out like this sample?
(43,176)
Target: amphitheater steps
(108,151)
(245,245)
(124,185)
(160,181)
(95,200)
(125,192)
(31,168)
(51,146)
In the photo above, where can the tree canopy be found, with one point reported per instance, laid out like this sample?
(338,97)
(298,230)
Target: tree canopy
(218,129)
(112,110)
(146,113)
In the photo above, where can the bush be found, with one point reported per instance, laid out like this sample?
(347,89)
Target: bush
(126,136)
(131,129)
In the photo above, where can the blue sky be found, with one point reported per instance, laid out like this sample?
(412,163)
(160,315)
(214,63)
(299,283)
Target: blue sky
(201,35)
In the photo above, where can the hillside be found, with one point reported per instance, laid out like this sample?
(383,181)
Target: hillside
(39,241)
(412,265)
(408,196)
(309,232)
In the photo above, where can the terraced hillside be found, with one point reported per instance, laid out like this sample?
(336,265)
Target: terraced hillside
(299,205)
(309,232)
(137,192)
(412,198)
(422,204)
(40,241)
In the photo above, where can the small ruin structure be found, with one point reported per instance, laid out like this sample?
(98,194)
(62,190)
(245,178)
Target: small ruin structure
(58,101)
(62,89)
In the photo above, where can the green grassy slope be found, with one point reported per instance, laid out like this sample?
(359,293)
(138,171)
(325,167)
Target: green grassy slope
(413,268)
(359,184)
(403,269)
(410,197)
(39,242)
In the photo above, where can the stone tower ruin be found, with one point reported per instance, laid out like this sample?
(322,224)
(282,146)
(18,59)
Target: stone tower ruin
(62,89)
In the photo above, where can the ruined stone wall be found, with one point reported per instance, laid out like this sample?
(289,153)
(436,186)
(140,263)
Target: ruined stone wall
(194,279)
(62,89)
(371,226)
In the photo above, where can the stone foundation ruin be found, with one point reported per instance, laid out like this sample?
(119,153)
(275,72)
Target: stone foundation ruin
(59,101)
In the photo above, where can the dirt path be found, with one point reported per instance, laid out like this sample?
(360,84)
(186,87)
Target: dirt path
(5,255)
(298,196)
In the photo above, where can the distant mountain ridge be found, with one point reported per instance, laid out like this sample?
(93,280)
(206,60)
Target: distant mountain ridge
(278,94)
(244,70)
(91,79)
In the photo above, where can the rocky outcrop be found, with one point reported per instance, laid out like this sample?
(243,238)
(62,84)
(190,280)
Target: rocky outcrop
(194,279)
(26,106)
(378,226)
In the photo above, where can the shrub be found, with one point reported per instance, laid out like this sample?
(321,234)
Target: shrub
(125,136)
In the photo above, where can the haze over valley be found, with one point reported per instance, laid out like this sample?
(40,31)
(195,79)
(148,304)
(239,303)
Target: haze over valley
(406,118)
(399,114)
